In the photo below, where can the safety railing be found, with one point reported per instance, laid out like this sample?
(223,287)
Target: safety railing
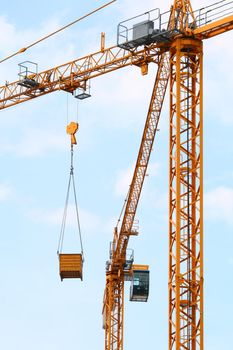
(153,26)
(213,12)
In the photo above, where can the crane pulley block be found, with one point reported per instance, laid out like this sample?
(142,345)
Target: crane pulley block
(71,129)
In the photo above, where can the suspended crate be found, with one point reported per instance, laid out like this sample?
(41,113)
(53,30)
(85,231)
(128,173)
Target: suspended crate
(71,266)
(139,289)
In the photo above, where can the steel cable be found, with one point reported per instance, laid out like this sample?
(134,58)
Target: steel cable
(63,225)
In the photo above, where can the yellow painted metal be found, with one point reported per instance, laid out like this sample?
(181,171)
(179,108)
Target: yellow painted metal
(72,75)
(113,309)
(71,266)
(102,41)
(144,68)
(145,149)
(214,28)
(186,196)
(71,129)
(181,13)
(129,273)
(69,76)
(140,267)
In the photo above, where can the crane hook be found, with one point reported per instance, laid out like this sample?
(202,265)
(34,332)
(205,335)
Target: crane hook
(71,129)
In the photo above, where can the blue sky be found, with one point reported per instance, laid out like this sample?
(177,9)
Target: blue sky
(37,310)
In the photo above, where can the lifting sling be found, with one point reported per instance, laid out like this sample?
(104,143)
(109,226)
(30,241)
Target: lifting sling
(70,264)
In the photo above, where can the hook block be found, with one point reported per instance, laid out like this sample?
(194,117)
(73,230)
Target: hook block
(71,129)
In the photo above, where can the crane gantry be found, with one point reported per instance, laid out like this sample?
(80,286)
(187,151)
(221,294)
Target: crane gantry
(175,45)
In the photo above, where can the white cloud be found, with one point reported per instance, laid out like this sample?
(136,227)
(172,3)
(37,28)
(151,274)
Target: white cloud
(131,87)
(218,78)
(123,181)
(153,169)
(7,32)
(219,204)
(89,222)
(156,199)
(52,217)
(35,142)
(129,92)
(132,8)
(124,178)
(5,192)
(47,53)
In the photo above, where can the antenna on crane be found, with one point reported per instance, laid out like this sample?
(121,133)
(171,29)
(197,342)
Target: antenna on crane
(23,49)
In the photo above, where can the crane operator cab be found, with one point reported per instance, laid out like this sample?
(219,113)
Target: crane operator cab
(139,289)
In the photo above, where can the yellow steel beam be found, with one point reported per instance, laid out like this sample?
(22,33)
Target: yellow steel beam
(114,297)
(71,75)
(214,28)
(114,311)
(148,136)
(186,196)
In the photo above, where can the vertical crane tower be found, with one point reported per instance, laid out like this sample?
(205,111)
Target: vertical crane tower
(185,186)
(181,62)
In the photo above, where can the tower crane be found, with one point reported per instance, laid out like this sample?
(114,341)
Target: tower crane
(174,41)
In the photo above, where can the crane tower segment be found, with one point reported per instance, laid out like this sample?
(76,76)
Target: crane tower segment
(113,309)
(186,196)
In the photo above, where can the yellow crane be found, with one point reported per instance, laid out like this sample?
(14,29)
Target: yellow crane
(173,40)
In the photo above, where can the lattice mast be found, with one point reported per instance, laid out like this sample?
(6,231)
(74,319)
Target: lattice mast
(186,186)
(181,11)
(114,291)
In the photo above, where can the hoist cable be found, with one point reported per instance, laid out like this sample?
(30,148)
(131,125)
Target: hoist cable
(62,232)
(67,109)
(75,199)
(60,243)
(122,210)
(77,111)
(77,217)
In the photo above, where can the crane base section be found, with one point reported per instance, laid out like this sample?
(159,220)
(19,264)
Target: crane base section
(71,266)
